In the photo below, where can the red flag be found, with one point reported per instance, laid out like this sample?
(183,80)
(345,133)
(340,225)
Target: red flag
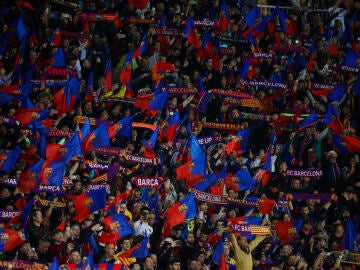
(138,3)
(352,143)
(266,206)
(59,99)
(11,239)
(337,126)
(175,215)
(284,229)
(82,205)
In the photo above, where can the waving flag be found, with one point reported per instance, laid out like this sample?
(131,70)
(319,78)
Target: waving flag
(85,130)
(66,97)
(242,180)
(138,3)
(125,71)
(21,29)
(29,116)
(89,262)
(55,264)
(189,201)
(191,33)
(350,235)
(160,69)
(23,215)
(10,239)
(9,159)
(72,148)
(140,250)
(219,256)
(332,120)
(239,142)
(150,144)
(55,38)
(285,231)
(87,203)
(30,179)
(352,143)
(122,127)
(155,101)
(53,174)
(5,98)
(206,49)
(175,215)
(174,123)
(118,224)
(210,180)
(98,138)
(142,48)
(59,58)
(352,59)
(224,17)
(338,93)
(108,76)
(311,120)
(252,16)
(310,57)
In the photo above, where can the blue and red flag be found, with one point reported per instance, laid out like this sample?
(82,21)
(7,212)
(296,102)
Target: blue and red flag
(23,215)
(5,98)
(122,127)
(352,143)
(155,101)
(219,256)
(66,97)
(338,93)
(242,180)
(118,224)
(52,173)
(311,120)
(21,28)
(85,130)
(89,202)
(252,16)
(10,239)
(89,262)
(9,159)
(98,138)
(142,48)
(173,125)
(29,116)
(108,76)
(332,120)
(211,180)
(55,264)
(30,179)
(352,59)
(204,97)
(206,49)
(239,142)
(72,148)
(125,71)
(59,58)
(150,144)
(160,69)
(310,57)
(191,33)
(350,235)
(55,38)
(224,17)
(140,250)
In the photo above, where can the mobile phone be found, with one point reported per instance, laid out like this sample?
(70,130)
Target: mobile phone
(201,215)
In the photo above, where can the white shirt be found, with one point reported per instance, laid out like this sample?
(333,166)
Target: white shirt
(142,228)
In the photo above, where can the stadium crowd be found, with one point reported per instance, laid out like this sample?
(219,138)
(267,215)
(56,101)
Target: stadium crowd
(192,134)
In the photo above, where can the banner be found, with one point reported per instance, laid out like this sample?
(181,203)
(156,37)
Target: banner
(260,56)
(10,182)
(92,187)
(47,203)
(147,182)
(227,51)
(231,93)
(67,182)
(209,140)
(251,116)
(50,189)
(59,133)
(287,48)
(142,160)
(162,31)
(210,198)
(238,41)
(9,121)
(253,103)
(49,83)
(6,214)
(250,229)
(304,173)
(92,165)
(221,126)
(265,83)
(205,22)
(318,86)
(339,67)
(181,90)
(21,265)
(306,196)
(138,20)
(110,151)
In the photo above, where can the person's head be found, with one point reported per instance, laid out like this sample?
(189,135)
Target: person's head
(135,266)
(175,263)
(332,156)
(75,231)
(144,214)
(190,239)
(125,245)
(243,241)
(148,263)
(176,231)
(58,236)
(151,219)
(193,264)
(43,246)
(109,250)
(226,249)
(286,250)
(37,217)
(75,257)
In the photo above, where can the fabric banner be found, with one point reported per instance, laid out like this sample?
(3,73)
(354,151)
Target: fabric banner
(287,48)
(179,90)
(110,151)
(250,229)
(67,3)
(205,22)
(221,126)
(317,86)
(162,31)
(92,165)
(11,182)
(250,116)
(100,266)
(9,121)
(210,198)
(265,83)
(47,203)
(230,93)
(227,51)
(304,173)
(147,182)
(67,182)
(142,160)
(93,121)
(253,103)
(49,189)
(239,41)
(209,140)
(6,214)
(49,83)
(260,56)
(92,187)
(59,133)
(21,265)
(306,196)
(339,67)
(138,20)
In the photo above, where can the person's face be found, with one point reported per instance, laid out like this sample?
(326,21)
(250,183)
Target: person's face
(149,263)
(125,245)
(242,241)
(332,157)
(136,267)
(175,266)
(75,231)
(38,217)
(110,250)
(75,257)
(305,211)
(43,247)
(154,258)
(226,250)
(59,236)
(190,239)
(151,219)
